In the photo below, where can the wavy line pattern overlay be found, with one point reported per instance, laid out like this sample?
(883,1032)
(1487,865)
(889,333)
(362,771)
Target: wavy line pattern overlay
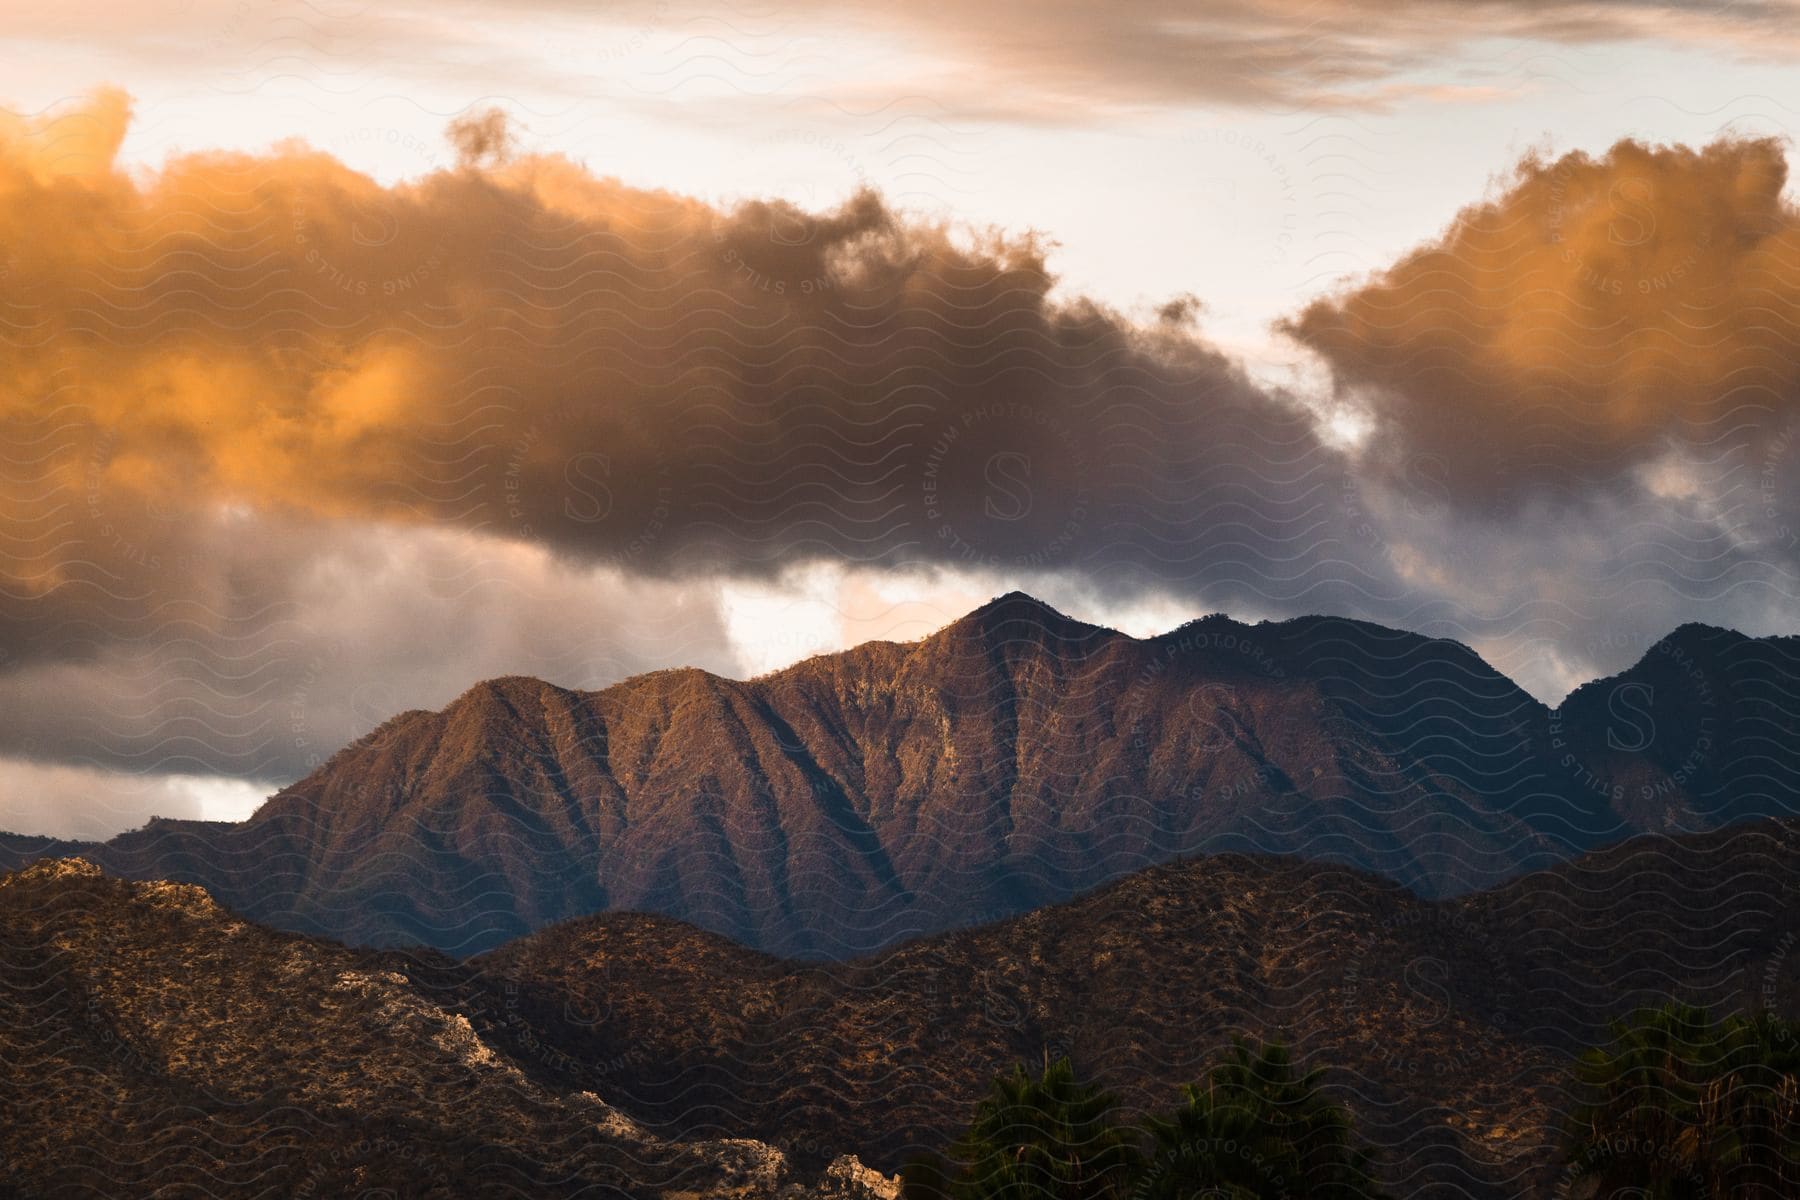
(459,508)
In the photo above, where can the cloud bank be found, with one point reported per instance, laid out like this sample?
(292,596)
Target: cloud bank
(525,349)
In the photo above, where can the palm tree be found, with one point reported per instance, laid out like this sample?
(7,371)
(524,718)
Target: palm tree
(1755,1106)
(1637,1127)
(1682,1107)
(926,1176)
(1052,1137)
(1258,1128)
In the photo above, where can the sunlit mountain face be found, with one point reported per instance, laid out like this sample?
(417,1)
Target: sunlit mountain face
(532,533)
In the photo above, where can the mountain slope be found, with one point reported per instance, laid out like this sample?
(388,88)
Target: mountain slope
(1010,760)
(1450,1026)
(1698,733)
(150,1038)
(152,1042)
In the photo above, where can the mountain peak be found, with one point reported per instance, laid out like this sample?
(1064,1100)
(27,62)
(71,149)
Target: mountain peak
(51,870)
(1698,633)
(1693,645)
(897,788)
(1020,614)
(1016,603)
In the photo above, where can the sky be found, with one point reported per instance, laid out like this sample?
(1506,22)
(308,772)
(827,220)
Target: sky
(355,354)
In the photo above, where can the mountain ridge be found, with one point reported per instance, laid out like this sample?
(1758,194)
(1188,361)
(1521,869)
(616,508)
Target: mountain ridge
(1448,1028)
(191,1051)
(1013,758)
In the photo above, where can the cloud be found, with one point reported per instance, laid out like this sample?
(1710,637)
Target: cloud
(256,655)
(483,138)
(87,803)
(1584,407)
(278,436)
(76,144)
(1007,59)
(523,349)
(288,450)
(1598,315)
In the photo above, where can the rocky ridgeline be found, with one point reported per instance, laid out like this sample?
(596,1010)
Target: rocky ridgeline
(151,1040)
(1013,759)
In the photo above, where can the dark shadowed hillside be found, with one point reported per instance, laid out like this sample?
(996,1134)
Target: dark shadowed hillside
(188,1048)
(151,1043)
(1013,759)
(1450,1025)
(1702,731)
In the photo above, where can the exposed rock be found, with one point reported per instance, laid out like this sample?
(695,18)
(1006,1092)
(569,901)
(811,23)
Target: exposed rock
(150,1041)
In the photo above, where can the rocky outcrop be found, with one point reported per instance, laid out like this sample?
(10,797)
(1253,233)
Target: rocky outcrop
(151,1041)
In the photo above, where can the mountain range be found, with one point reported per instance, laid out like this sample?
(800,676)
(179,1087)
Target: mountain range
(152,1040)
(1012,760)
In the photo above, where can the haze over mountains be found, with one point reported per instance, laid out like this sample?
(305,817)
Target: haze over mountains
(1011,760)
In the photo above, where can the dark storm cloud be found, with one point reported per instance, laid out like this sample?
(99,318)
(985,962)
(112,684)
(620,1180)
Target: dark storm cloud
(1584,399)
(240,390)
(631,377)
(260,647)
